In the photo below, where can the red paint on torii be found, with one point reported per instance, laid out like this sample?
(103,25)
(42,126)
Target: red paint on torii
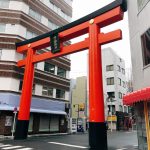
(93,43)
(99,22)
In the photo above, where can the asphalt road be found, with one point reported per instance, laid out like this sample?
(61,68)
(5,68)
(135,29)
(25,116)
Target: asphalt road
(116,141)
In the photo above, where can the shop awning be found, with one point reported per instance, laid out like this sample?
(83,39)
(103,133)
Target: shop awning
(11,108)
(137,96)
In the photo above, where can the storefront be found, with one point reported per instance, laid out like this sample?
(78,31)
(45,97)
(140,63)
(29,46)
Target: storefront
(140,100)
(46,116)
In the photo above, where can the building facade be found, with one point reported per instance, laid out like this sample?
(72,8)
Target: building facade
(79,103)
(21,20)
(139,26)
(114,80)
(114,84)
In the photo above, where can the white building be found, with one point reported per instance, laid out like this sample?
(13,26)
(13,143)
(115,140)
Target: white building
(139,26)
(21,20)
(114,80)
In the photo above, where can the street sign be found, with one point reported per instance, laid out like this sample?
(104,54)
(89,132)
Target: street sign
(55,43)
(15,110)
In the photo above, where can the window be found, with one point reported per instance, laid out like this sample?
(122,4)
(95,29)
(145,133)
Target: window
(4,3)
(49,67)
(0,54)
(123,84)
(123,71)
(120,95)
(21,84)
(110,81)
(119,68)
(141,4)
(2,27)
(111,94)
(119,81)
(146,47)
(35,15)
(61,72)
(52,25)
(60,93)
(30,35)
(47,91)
(110,68)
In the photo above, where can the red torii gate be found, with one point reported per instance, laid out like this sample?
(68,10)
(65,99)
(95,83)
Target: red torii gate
(90,24)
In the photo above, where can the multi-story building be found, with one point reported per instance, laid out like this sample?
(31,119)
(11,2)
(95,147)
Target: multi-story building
(114,83)
(114,80)
(79,101)
(21,20)
(139,26)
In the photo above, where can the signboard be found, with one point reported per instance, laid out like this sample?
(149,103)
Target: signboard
(8,121)
(112,118)
(55,43)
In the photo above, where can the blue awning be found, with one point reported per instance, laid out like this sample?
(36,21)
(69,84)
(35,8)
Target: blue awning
(11,108)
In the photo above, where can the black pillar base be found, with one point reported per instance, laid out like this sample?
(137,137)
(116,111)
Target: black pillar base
(21,131)
(97,136)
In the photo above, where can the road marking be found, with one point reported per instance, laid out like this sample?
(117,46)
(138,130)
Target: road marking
(12,147)
(69,145)
(135,145)
(25,149)
(121,149)
(2,145)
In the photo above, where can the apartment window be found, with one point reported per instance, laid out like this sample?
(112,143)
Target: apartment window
(123,70)
(110,81)
(47,91)
(49,67)
(52,25)
(146,47)
(141,4)
(123,84)
(21,84)
(118,68)
(111,94)
(4,3)
(30,34)
(120,95)
(119,81)
(60,93)
(61,72)
(35,15)
(110,68)
(2,27)
(0,54)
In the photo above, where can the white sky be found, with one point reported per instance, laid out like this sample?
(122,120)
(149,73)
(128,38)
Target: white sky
(79,60)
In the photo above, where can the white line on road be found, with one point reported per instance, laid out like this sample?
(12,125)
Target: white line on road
(12,147)
(2,145)
(25,149)
(69,145)
(121,149)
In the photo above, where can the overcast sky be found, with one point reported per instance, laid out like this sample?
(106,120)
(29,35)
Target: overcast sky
(122,48)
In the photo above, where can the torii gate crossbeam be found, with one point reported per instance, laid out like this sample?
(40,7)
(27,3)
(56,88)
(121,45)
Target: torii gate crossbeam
(90,24)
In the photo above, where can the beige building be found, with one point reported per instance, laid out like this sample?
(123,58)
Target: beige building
(79,100)
(21,20)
